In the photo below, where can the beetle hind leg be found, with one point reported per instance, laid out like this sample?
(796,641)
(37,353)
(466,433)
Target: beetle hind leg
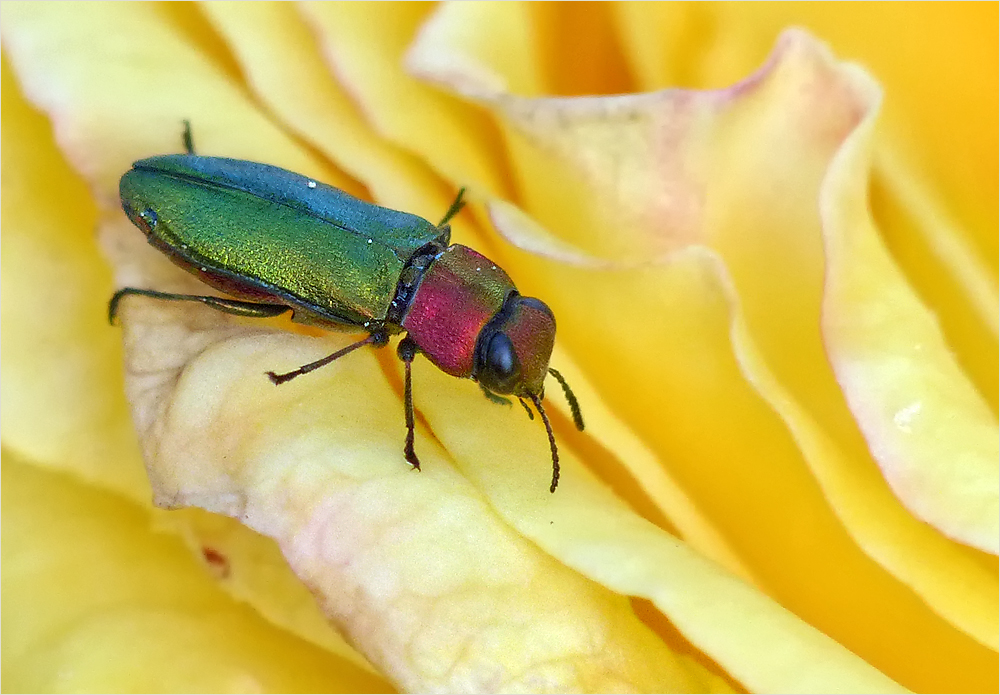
(223,304)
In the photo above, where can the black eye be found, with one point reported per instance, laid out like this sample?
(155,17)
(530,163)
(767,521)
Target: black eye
(502,367)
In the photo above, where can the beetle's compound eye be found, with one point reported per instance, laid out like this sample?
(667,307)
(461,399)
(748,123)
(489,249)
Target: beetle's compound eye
(502,369)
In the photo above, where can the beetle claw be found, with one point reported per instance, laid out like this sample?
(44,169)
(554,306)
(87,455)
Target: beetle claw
(410,454)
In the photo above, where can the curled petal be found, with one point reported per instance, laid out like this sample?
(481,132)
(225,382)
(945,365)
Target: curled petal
(631,180)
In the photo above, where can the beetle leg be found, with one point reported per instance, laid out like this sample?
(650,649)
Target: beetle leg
(229,306)
(407,350)
(494,398)
(187,138)
(454,209)
(306,368)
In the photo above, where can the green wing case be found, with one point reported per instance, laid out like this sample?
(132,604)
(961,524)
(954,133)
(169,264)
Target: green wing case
(279,232)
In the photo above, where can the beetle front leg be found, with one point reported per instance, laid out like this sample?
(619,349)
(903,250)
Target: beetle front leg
(492,397)
(407,350)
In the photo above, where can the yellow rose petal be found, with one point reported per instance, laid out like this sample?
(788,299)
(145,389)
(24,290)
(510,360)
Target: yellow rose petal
(934,188)
(929,245)
(62,384)
(646,471)
(94,601)
(272,42)
(591,531)
(251,569)
(923,54)
(933,435)
(740,170)
(86,91)
(432,587)
(365,43)
(124,97)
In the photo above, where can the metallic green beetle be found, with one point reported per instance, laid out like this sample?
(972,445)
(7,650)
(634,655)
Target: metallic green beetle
(275,241)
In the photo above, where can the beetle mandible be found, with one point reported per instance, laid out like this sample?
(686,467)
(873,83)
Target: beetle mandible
(275,241)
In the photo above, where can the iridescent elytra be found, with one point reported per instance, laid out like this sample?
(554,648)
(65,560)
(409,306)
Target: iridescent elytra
(275,241)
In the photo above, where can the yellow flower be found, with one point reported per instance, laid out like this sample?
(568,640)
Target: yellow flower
(776,291)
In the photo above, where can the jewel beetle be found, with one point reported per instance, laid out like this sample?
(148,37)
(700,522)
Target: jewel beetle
(275,241)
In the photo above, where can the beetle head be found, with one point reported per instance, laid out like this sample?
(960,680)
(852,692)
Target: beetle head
(513,349)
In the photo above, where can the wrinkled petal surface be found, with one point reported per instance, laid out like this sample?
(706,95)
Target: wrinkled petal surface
(789,477)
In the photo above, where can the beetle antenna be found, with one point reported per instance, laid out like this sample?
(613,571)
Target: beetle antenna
(573,404)
(187,137)
(531,415)
(552,442)
(455,208)
(278,379)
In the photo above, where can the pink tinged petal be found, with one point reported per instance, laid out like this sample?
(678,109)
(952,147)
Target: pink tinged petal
(933,192)
(931,432)
(113,101)
(431,586)
(940,263)
(640,178)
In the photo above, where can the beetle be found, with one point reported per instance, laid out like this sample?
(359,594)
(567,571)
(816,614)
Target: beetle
(275,241)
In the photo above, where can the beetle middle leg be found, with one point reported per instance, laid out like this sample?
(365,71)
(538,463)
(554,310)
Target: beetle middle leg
(377,339)
(228,306)
(407,350)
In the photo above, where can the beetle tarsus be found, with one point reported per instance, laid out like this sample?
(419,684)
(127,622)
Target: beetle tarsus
(278,379)
(409,453)
(187,138)
(574,405)
(407,350)
(113,304)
